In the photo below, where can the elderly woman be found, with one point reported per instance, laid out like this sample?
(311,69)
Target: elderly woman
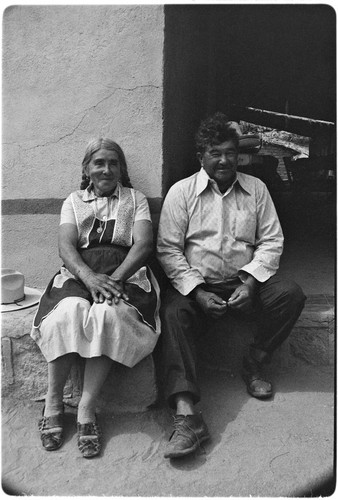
(103,304)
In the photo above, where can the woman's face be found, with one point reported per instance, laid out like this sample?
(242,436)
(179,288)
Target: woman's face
(104,171)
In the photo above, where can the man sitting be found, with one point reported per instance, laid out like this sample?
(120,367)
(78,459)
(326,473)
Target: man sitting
(219,243)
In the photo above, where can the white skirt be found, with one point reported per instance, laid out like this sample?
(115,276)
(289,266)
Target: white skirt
(116,331)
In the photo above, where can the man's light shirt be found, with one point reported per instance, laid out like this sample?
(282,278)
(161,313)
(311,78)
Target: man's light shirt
(209,237)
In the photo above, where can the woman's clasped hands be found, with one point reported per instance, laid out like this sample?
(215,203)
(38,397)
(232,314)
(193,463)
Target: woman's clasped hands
(104,287)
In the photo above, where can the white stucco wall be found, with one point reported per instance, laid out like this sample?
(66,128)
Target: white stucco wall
(71,73)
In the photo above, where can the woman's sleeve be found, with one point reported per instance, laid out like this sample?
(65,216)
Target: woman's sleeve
(67,212)
(142,211)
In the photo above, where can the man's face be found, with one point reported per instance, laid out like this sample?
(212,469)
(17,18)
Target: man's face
(220,163)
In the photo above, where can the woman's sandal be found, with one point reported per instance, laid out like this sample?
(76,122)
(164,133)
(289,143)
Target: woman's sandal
(51,431)
(89,439)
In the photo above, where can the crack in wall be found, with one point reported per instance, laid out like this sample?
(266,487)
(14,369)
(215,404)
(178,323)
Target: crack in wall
(132,89)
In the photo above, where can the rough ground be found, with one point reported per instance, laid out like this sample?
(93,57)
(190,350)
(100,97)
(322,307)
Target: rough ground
(281,447)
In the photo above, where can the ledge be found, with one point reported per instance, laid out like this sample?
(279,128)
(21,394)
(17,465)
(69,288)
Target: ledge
(134,389)
(24,371)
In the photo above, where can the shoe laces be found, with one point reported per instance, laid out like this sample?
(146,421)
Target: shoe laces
(181,427)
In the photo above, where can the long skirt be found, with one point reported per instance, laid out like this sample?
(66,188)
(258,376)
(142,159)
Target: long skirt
(68,321)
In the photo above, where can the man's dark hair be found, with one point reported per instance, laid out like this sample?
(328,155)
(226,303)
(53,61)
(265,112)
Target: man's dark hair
(215,130)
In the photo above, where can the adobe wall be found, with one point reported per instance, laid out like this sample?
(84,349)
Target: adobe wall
(71,73)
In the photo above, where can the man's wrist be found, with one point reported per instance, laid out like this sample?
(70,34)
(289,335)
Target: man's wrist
(249,280)
(193,294)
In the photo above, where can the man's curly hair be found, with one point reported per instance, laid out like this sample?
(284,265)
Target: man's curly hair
(215,130)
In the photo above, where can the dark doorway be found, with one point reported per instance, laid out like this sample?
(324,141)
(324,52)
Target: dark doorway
(279,58)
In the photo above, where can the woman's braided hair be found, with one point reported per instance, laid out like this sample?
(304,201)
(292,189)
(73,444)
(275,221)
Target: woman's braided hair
(104,143)
(215,130)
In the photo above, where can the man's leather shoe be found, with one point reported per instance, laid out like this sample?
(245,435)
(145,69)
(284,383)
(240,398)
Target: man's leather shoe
(256,384)
(189,432)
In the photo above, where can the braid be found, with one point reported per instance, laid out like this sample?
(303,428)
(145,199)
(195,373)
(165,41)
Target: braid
(85,181)
(125,181)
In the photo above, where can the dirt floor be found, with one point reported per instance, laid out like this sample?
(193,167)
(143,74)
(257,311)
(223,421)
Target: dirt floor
(281,447)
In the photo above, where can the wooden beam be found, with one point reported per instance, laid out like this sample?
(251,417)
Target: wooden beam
(295,124)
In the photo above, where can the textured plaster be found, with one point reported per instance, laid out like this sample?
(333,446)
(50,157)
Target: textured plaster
(71,73)
(29,244)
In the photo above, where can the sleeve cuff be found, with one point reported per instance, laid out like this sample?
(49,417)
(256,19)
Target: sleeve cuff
(187,286)
(258,271)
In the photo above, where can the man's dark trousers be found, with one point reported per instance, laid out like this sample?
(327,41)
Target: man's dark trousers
(278,304)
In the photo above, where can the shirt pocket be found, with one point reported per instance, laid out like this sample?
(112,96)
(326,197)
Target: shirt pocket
(245,226)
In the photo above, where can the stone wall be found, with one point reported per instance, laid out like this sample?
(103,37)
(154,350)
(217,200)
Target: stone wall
(24,371)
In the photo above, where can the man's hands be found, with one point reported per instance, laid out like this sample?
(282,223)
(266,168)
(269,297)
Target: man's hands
(210,303)
(242,298)
(104,287)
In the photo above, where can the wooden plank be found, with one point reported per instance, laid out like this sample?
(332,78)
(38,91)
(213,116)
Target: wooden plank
(296,124)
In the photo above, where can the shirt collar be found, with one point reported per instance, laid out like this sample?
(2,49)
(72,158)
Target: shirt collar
(245,183)
(203,182)
(89,194)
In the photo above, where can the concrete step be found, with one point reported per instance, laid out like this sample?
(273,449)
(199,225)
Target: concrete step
(24,370)
(313,337)
(311,340)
